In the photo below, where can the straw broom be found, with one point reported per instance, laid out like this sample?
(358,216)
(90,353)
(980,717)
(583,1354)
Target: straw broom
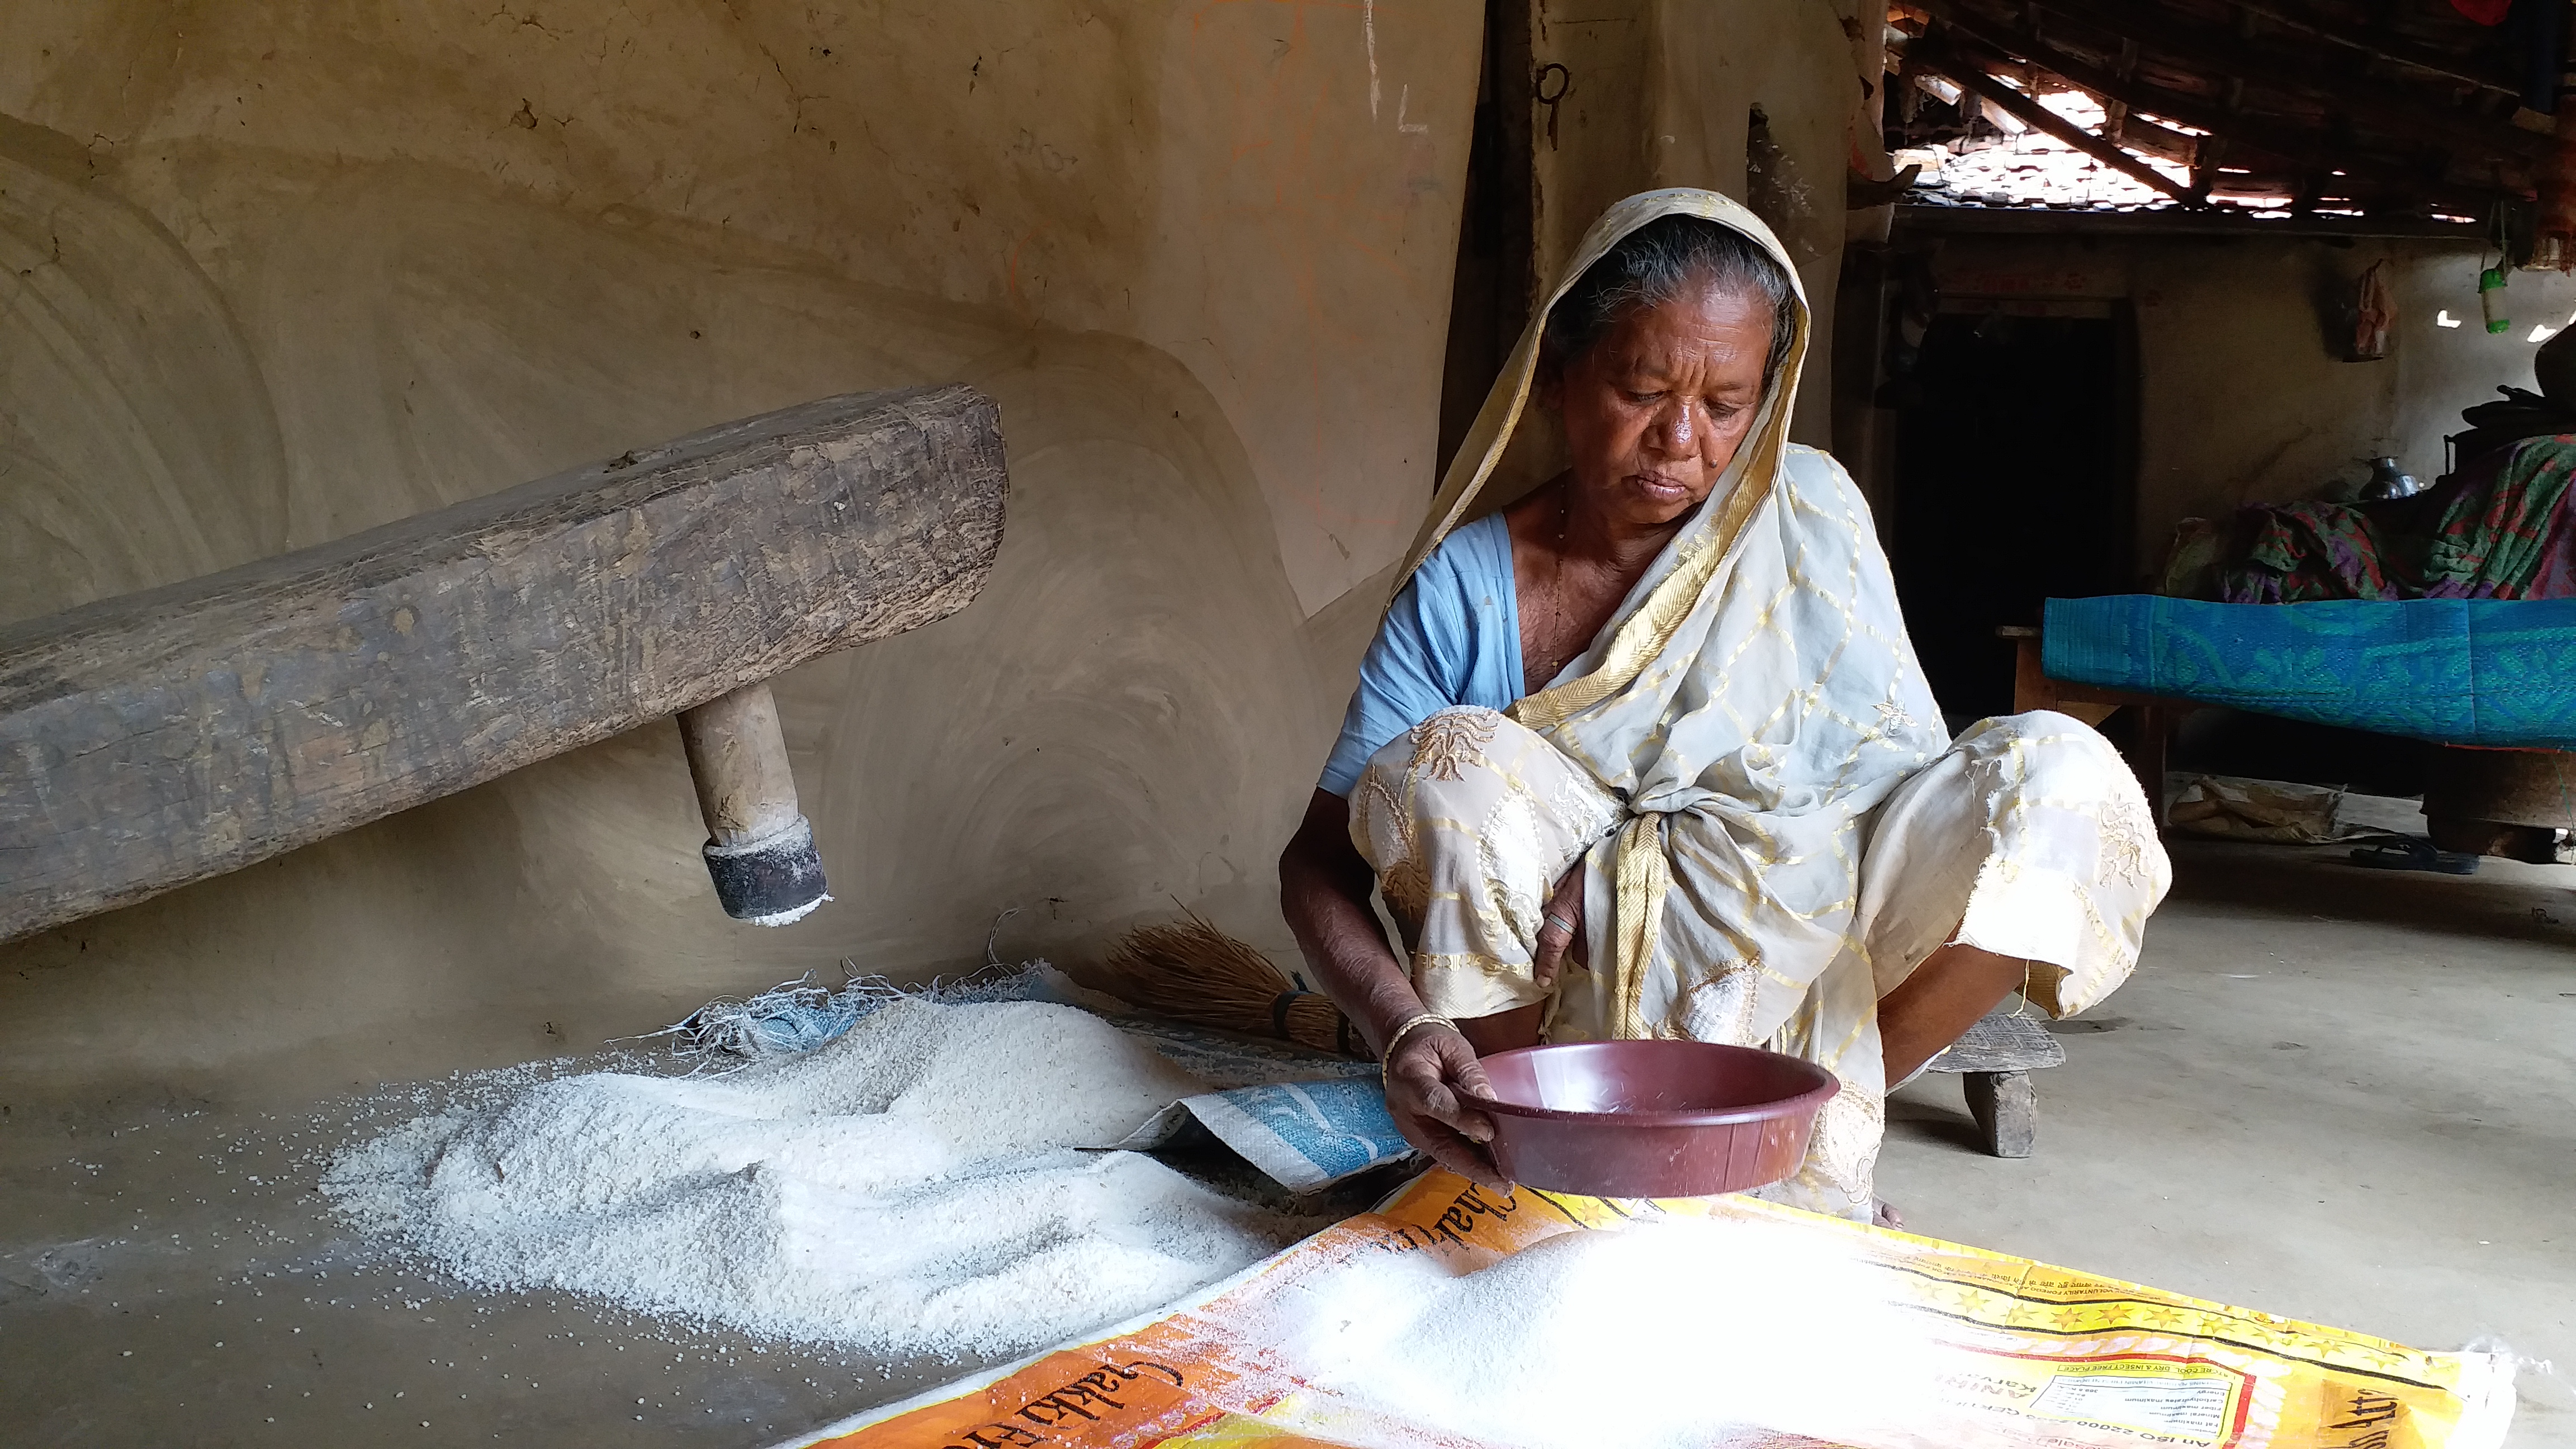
(1192,972)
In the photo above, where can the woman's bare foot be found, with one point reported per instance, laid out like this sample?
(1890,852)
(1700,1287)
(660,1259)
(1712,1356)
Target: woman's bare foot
(1885,1215)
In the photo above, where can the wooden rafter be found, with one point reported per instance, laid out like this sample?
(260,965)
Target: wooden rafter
(2289,143)
(2166,221)
(1932,55)
(1996,42)
(2216,53)
(2394,50)
(2137,133)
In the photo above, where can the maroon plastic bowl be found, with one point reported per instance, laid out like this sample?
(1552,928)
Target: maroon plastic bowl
(1651,1118)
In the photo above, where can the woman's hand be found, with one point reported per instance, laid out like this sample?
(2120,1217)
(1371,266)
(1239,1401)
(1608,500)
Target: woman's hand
(1560,926)
(1324,890)
(1426,1078)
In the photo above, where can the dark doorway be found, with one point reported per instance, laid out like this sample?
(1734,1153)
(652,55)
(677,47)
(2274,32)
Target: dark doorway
(2014,484)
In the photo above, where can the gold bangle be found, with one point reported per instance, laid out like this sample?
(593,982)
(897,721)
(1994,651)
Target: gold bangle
(1396,1038)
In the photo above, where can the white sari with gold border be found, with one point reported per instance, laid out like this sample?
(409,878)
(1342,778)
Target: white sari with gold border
(1726,760)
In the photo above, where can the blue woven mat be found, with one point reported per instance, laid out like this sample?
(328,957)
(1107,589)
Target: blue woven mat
(2454,671)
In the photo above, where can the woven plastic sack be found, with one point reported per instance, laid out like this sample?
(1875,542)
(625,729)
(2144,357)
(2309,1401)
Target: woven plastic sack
(2032,1355)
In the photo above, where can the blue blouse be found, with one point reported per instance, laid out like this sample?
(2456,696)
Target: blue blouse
(1453,637)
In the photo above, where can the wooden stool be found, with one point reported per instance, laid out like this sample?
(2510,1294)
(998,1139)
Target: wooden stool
(1996,1058)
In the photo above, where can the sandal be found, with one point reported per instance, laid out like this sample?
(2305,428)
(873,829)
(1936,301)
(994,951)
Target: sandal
(2414,852)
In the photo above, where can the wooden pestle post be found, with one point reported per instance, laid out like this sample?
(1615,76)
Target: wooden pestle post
(759,850)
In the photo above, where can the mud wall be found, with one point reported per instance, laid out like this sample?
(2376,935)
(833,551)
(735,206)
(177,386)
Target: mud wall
(2244,393)
(280,271)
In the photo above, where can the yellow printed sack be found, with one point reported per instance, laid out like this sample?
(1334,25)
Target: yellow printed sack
(2026,1356)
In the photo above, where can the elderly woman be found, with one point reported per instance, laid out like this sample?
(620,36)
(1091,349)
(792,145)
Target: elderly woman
(1647,752)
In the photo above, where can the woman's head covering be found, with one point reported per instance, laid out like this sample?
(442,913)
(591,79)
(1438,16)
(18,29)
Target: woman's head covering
(1759,455)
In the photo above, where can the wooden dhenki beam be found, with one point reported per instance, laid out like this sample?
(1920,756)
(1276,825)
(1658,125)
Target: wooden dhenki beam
(162,737)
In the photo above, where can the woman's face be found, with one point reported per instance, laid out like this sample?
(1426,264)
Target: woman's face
(1655,411)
